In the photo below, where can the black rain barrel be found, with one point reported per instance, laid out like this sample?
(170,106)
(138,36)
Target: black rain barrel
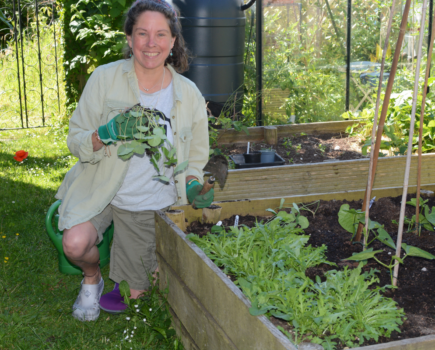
(214,31)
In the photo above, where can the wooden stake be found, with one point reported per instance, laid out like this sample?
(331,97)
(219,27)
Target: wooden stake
(211,215)
(271,135)
(378,99)
(385,104)
(420,134)
(177,216)
(409,152)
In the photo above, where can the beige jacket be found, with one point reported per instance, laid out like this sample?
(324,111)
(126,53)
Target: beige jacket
(94,180)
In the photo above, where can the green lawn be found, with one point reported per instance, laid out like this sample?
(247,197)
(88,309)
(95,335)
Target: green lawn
(35,298)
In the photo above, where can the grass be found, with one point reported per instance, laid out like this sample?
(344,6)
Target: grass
(35,298)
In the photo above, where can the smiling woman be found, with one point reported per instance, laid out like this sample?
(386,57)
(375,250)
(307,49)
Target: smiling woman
(105,185)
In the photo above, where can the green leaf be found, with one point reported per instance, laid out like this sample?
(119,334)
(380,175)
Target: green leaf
(303,222)
(255,311)
(349,218)
(155,141)
(161,331)
(142,128)
(385,238)
(430,216)
(216,229)
(125,149)
(135,114)
(181,167)
(124,289)
(417,252)
(163,178)
(365,255)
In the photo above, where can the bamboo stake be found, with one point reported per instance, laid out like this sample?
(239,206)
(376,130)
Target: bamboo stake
(385,106)
(409,152)
(378,99)
(420,134)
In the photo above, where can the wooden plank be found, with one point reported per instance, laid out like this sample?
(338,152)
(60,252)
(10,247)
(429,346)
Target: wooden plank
(214,312)
(258,206)
(320,178)
(420,343)
(256,134)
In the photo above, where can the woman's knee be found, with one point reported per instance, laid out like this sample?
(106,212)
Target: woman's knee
(78,240)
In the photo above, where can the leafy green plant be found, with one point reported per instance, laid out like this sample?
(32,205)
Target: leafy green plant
(426,220)
(150,138)
(322,148)
(349,219)
(148,317)
(269,262)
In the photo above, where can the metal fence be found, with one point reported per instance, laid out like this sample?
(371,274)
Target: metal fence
(30,67)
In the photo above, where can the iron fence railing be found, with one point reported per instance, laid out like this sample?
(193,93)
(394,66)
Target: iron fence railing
(30,69)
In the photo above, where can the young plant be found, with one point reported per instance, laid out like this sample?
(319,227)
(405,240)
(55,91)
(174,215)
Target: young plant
(427,220)
(349,219)
(148,317)
(150,138)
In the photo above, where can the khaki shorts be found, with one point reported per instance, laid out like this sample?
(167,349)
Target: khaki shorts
(133,252)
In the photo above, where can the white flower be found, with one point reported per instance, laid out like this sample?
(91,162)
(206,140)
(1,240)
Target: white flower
(151,309)
(129,340)
(132,332)
(13,201)
(135,327)
(125,331)
(136,306)
(137,310)
(144,319)
(424,269)
(127,318)
(126,337)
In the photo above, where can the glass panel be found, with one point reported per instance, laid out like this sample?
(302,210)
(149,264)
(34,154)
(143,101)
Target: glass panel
(303,60)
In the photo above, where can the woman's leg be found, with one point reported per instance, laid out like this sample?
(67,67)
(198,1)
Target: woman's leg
(79,247)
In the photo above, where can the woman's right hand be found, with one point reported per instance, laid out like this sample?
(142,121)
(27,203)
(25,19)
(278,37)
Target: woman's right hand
(97,144)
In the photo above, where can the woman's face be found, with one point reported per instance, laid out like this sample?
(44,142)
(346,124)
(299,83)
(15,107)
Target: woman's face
(151,41)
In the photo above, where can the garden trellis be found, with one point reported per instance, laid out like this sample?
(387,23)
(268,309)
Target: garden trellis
(30,43)
(317,62)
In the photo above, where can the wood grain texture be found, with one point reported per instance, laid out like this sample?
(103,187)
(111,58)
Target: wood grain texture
(326,177)
(256,134)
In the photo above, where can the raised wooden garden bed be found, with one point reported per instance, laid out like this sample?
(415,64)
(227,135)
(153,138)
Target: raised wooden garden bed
(318,178)
(256,134)
(209,311)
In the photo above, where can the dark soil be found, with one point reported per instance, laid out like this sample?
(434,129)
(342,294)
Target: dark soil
(306,148)
(416,282)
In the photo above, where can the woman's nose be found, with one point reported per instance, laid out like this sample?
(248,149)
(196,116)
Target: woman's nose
(151,41)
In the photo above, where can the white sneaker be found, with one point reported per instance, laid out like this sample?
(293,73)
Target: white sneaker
(87,305)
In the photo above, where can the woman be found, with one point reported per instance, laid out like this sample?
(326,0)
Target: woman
(101,187)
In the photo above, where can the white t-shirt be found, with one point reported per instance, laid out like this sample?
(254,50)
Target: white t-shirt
(140,189)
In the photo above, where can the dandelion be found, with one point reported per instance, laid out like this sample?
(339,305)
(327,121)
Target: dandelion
(17,234)
(6,258)
(3,236)
(127,318)
(5,261)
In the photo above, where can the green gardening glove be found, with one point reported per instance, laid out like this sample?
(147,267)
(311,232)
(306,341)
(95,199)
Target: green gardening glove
(193,187)
(126,124)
